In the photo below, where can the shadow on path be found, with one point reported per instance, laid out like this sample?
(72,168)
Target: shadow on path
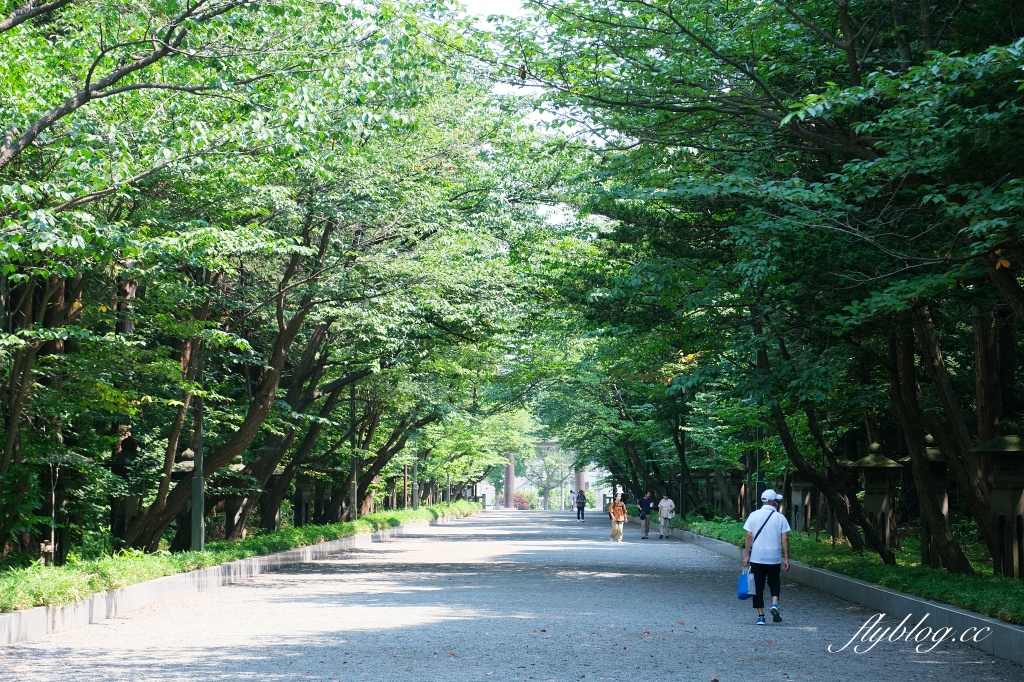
(502,596)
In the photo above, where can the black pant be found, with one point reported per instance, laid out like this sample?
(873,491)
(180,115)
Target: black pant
(762,573)
(579,513)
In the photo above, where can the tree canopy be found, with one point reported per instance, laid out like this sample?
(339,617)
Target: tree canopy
(696,243)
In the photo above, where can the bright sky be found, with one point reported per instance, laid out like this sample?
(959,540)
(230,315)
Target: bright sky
(486,7)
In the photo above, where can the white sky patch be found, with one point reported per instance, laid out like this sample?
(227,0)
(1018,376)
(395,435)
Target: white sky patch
(488,7)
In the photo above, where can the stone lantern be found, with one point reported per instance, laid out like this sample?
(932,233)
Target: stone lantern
(233,502)
(270,512)
(800,504)
(939,476)
(738,494)
(1003,458)
(182,470)
(878,475)
(832,525)
(303,501)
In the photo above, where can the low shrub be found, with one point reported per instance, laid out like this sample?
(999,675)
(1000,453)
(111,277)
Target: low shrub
(38,585)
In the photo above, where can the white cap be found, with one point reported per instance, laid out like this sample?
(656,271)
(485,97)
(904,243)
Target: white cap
(770,495)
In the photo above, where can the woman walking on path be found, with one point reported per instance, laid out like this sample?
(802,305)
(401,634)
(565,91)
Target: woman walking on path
(666,510)
(617,513)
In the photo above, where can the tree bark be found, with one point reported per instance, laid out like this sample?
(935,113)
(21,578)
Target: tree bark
(679,440)
(837,500)
(871,533)
(903,391)
(723,489)
(954,440)
(1006,283)
(148,529)
(988,397)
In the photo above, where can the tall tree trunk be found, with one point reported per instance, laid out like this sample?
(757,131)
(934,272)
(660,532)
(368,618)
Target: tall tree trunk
(988,397)
(723,489)
(384,454)
(148,529)
(643,477)
(1005,281)
(903,391)
(36,303)
(838,500)
(266,467)
(1006,359)
(679,439)
(871,533)
(955,440)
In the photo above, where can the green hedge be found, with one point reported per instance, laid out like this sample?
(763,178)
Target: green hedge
(982,592)
(36,585)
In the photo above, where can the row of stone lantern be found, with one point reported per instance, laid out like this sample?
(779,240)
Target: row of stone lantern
(879,476)
(1003,459)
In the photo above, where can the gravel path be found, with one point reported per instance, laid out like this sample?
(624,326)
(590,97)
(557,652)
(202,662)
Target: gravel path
(502,595)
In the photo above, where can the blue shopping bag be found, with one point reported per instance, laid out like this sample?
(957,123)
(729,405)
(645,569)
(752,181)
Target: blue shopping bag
(745,584)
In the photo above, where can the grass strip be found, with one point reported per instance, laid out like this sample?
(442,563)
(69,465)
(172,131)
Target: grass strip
(37,585)
(982,592)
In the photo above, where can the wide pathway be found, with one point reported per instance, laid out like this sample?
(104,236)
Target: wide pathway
(502,595)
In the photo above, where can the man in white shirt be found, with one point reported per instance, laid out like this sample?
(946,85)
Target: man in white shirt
(766,550)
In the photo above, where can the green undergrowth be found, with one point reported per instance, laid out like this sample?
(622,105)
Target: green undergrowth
(982,592)
(37,585)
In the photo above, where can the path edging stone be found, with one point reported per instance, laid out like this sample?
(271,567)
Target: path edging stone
(1006,640)
(40,621)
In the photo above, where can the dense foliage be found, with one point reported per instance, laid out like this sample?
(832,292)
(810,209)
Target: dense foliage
(805,218)
(755,241)
(293,235)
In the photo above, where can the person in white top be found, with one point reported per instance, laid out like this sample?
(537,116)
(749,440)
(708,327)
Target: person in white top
(766,550)
(666,510)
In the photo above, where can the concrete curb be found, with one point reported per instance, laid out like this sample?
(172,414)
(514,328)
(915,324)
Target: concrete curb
(1005,641)
(20,626)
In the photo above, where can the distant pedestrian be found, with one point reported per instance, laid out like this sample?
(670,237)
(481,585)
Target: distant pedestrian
(645,504)
(766,550)
(581,505)
(617,513)
(666,510)
(572,498)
